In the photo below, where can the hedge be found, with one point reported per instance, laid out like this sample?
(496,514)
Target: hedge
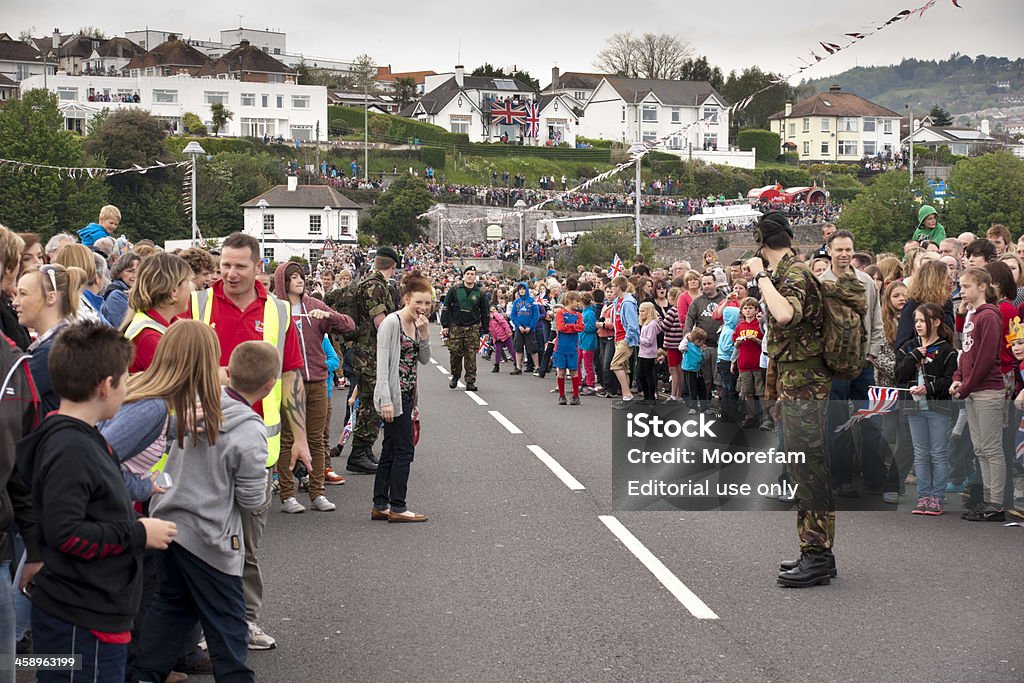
(765,142)
(176,143)
(432,156)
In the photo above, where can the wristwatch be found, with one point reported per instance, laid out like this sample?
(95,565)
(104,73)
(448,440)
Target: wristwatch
(763,273)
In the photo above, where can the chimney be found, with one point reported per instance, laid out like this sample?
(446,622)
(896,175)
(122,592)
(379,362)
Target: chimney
(56,38)
(985,127)
(789,108)
(243,43)
(834,88)
(460,75)
(554,78)
(293,182)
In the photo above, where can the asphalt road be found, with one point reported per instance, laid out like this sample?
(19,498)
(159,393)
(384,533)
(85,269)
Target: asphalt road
(519,576)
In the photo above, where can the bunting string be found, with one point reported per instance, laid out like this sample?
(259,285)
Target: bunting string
(78,172)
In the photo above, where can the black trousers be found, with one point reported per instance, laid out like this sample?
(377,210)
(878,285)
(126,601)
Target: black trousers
(392,482)
(645,377)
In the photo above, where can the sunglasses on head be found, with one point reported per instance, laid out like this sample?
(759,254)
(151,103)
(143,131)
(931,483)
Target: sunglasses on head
(50,270)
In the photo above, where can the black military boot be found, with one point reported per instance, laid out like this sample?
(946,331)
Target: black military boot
(453,382)
(360,461)
(792,564)
(812,569)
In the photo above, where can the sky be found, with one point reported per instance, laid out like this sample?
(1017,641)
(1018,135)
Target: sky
(538,34)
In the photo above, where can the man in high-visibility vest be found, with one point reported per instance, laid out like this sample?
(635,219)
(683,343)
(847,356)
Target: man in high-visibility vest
(240,309)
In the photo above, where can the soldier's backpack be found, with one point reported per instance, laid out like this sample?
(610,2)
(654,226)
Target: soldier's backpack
(346,300)
(845,339)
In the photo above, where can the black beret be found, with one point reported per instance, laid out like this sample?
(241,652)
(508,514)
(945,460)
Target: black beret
(391,254)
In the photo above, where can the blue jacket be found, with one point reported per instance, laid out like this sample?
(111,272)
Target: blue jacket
(115,302)
(726,347)
(524,311)
(630,319)
(90,233)
(692,357)
(588,337)
(332,363)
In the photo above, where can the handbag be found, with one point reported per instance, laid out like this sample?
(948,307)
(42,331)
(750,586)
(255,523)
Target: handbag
(415,419)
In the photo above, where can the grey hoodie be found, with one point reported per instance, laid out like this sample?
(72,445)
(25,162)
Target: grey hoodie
(212,484)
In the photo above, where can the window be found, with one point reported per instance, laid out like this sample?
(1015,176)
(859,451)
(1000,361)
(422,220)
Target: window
(887,126)
(22,72)
(792,130)
(848,124)
(268,254)
(302,132)
(248,99)
(676,115)
(67,94)
(580,95)
(869,148)
(314,255)
(257,128)
(869,124)
(266,101)
(710,114)
(649,135)
(824,147)
(300,101)
(824,125)
(460,126)
(343,224)
(711,141)
(275,78)
(314,223)
(211,97)
(807,125)
(675,142)
(268,223)
(848,148)
(280,101)
(650,113)
(165,97)
(277,50)
(807,148)
(623,114)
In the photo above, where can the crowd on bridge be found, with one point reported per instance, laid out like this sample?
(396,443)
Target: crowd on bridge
(126,555)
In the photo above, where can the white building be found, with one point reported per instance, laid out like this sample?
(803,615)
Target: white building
(837,126)
(690,116)
(274,109)
(575,84)
(298,219)
(469,104)
(960,140)
(19,60)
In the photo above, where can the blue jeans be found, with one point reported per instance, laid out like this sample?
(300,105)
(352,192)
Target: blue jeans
(840,446)
(929,430)
(101,662)
(190,591)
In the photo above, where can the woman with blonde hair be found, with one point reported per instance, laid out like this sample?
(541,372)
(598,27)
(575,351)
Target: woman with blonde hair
(78,256)
(1016,267)
(161,293)
(929,285)
(47,301)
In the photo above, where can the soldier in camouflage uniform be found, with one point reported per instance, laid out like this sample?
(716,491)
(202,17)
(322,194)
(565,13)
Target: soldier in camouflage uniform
(464,319)
(795,345)
(374,301)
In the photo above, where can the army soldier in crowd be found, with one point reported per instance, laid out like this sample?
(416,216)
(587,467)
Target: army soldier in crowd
(374,301)
(795,345)
(464,320)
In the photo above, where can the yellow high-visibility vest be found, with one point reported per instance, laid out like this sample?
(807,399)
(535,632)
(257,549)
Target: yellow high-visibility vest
(141,321)
(276,319)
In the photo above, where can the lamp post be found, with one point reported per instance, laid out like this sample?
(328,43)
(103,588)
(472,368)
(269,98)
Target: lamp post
(194,149)
(327,232)
(637,150)
(520,205)
(263,229)
(911,146)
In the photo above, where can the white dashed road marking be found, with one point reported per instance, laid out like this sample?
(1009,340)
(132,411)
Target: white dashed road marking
(554,466)
(479,401)
(512,429)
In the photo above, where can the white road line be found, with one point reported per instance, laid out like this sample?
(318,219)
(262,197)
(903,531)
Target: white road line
(512,429)
(433,361)
(443,371)
(554,466)
(479,401)
(669,580)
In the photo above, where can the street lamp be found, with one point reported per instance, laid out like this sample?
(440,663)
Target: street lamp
(194,149)
(520,205)
(326,252)
(637,150)
(263,204)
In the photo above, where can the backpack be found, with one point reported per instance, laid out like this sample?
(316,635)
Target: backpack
(346,300)
(845,339)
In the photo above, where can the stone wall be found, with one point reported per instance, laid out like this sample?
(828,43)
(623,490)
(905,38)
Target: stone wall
(692,247)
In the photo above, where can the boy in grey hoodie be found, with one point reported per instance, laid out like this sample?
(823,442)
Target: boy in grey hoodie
(201,572)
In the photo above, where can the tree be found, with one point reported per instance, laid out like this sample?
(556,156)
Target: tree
(651,55)
(92,32)
(883,216)
(220,115)
(364,72)
(746,83)
(523,77)
(940,117)
(193,124)
(599,246)
(405,91)
(985,190)
(393,217)
(700,69)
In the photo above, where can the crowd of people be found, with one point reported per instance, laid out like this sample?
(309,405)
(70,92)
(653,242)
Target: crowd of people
(120,559)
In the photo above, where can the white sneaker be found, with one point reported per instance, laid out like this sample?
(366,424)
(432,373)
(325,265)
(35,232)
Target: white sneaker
(321,504)
(258,640)
(292,506)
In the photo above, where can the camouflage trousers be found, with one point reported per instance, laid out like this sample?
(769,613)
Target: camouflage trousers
(367,422)
(803,395)
(463,345)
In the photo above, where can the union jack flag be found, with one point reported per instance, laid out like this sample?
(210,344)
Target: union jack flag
(485,341)
(507,113)
(532,120)
(616,268)
(881,400)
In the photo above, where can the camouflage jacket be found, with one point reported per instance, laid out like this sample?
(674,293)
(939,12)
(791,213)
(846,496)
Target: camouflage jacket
(375,297)
(801,338)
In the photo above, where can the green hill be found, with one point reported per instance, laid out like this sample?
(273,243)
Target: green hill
(959,84)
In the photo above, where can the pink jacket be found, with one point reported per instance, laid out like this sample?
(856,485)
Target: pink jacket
(499,328)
